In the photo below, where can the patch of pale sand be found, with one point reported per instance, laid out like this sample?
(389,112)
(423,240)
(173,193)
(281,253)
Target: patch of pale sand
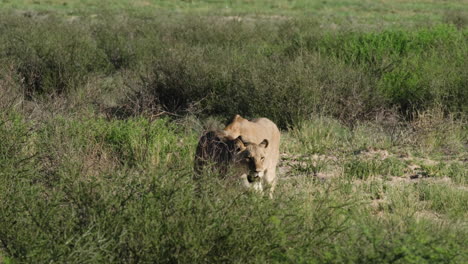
(414,167)
(447,181)
(375,153)
(377,204)
(323,158)
(73,18)
(399,180)
(142,3)
(288,162)
(428,215)
(284,171)
(302,157)
(232,18)
(254,18)
(327,175)
(423,161)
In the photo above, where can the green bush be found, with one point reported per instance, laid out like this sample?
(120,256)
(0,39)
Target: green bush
(414,70)
(50,57)
(286,71)
(94,190)
(363,169)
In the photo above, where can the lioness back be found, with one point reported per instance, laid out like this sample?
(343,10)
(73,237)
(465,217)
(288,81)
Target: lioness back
(253,131)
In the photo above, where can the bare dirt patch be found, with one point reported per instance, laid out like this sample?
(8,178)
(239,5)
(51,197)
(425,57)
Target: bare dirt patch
(374,153)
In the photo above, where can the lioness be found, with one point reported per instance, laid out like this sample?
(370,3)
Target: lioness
(260,139)
(258,168)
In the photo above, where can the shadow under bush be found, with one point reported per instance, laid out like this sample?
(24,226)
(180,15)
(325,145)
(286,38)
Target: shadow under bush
(283,89)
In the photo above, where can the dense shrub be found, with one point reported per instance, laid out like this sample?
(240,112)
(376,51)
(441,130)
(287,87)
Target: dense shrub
(286,70)
(51,56)
(413,70)
(64,198)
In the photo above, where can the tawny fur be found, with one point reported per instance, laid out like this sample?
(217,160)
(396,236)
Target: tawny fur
(262,139)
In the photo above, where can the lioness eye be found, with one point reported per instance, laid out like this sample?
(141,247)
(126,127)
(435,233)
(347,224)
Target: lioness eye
(263,158)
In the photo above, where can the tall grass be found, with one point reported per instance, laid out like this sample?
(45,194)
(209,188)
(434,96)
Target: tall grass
(91,190)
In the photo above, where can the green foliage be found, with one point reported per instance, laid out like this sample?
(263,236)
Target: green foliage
(443,199)
(96,190)
(418,247)
(71,214)
(320,135)
(405,64)
(286,71)
(76,187)
(457,172)
(50,57)
(363,169)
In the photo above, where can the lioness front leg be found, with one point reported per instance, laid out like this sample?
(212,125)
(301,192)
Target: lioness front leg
(270,178)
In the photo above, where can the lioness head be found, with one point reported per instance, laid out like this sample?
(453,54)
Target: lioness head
(252,156)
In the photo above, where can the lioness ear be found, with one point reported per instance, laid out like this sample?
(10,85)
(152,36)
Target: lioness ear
(240,141)
(239,144)
(264,143)
(237,118)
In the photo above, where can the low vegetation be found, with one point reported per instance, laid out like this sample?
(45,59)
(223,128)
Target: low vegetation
(101,111)
(94,190)
(286,70)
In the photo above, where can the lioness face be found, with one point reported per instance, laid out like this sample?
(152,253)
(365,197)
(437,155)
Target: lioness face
(252,156)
